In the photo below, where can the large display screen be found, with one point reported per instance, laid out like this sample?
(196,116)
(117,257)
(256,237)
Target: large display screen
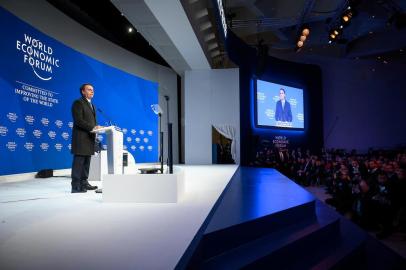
(39,80)
(279,106)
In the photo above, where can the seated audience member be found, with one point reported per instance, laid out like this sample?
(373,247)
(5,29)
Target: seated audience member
(383,204)
(362,207)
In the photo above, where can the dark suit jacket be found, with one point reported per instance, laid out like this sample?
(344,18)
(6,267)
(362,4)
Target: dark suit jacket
(283,114)
(84,120)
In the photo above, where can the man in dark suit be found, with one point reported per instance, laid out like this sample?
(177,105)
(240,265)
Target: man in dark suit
(83,140)
(283,112)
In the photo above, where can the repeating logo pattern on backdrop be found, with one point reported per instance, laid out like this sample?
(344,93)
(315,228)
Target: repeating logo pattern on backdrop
(33,137)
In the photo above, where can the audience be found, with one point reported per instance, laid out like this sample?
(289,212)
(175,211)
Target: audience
(369,188)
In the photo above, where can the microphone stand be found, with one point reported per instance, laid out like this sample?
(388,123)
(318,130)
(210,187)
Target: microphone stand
(161,144)
(170,153)
(105,116)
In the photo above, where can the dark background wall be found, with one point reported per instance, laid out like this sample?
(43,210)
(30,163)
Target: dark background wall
(364,104)
(257,65)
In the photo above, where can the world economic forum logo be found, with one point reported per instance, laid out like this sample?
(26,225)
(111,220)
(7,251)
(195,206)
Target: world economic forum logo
(3,131)
(29,119)
(45,121)
(21,132)
(59,123)
(11,146)
(12,117)
(44,146)
(39,56)
(65,135)
(37,133)
(52,134)
(29,146)
(58,147)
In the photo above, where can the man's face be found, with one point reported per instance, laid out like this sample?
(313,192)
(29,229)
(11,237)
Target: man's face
(281,95)
(88,91)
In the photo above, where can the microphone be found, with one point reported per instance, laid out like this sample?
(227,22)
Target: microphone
(157,109)
(110,123)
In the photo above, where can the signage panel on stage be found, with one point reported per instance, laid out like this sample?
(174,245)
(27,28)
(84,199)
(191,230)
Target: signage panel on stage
(39,80)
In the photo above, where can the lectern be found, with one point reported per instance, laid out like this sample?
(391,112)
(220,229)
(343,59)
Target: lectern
(114,149)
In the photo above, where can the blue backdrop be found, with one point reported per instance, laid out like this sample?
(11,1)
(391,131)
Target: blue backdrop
(268,95)
(39,80)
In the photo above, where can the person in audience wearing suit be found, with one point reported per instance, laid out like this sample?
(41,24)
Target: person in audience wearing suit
(83,140)
(283,111)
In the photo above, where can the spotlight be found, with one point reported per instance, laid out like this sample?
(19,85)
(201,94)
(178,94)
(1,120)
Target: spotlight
(301,40)
(346,18)
(306,32)
(335,32)
(332,36)
(130,29)
(341,26)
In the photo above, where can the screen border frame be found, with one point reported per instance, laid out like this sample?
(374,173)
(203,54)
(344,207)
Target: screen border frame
(289,84)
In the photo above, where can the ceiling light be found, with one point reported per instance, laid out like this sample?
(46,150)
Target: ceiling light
(329,42)
(306,32)
(302,38)
(335,32)
(130,29)
(341,26)
(333,36)
(300,44)
(346,18)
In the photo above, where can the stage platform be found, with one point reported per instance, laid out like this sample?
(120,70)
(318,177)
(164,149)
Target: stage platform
(44,226)
(230,218)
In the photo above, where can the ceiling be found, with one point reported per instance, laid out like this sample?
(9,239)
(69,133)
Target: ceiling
(103,18)
(377,29)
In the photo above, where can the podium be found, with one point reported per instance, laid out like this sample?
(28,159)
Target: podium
(114,149)
(134,187)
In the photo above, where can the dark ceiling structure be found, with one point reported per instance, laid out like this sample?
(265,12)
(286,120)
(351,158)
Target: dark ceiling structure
(376,29)
(103,18)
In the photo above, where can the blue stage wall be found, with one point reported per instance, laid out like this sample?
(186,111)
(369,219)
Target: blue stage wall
(255,66)
(40,78)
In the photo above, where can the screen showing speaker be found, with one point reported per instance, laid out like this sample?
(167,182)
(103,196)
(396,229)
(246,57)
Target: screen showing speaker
(279,106)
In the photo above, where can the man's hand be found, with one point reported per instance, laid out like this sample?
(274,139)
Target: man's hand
(97,127)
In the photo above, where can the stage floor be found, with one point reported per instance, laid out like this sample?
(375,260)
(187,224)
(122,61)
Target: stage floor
(44,226)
